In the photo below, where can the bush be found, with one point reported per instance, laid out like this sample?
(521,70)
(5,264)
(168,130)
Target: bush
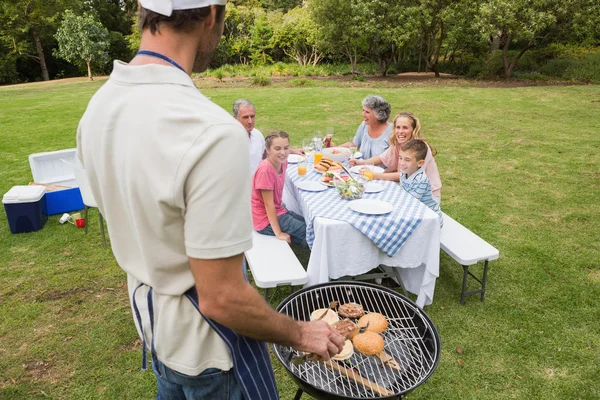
(585,70)
(261,81)
(301,82)
(557,68)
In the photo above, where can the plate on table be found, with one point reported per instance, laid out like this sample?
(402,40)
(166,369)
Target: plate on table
(295,158)
(373,187)
(328,180)
(371,207)
(311,186)
(356,169)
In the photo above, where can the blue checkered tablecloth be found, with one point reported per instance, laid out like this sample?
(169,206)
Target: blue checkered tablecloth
(389,231)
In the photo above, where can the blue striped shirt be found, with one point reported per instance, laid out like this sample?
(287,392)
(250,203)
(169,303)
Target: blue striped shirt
(419,187)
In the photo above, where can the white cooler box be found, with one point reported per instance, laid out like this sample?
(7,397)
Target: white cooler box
(48,168)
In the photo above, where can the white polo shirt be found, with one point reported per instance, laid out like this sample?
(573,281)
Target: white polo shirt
(257,148)
(169,171)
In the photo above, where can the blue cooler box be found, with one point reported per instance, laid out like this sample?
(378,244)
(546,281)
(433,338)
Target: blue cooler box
(56,167)
(25,208)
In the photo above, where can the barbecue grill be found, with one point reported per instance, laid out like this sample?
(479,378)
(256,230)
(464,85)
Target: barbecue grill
(411,339)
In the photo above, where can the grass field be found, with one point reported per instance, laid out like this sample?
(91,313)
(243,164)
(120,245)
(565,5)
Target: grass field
(520,167)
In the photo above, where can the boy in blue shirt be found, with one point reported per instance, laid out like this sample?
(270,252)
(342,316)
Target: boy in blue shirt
(412,176)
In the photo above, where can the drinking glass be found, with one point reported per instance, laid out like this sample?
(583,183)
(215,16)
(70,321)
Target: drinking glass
(302,167)
(368,171)
(307,146)
(328,136)
(352,151)
(318,141)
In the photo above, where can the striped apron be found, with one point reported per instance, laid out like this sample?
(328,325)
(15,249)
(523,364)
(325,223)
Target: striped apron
(251,362)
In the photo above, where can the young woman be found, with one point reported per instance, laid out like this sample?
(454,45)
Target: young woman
(269,217)
(406,127)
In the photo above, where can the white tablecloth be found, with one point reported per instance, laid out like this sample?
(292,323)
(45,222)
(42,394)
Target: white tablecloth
(340,250)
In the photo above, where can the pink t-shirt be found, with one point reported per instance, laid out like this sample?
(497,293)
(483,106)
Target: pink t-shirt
(390,159)
(266,178)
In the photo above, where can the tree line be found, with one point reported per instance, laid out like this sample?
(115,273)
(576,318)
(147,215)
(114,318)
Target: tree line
(40,39)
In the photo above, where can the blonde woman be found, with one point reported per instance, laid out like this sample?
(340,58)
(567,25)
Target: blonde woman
(406,127)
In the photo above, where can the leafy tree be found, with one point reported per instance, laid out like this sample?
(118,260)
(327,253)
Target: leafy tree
(380,24)
(29,26)
(341,29)
(513,21)
(296,33)
(82,39)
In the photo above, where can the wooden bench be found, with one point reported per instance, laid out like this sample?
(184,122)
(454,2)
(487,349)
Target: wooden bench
(273,263)
(467,249)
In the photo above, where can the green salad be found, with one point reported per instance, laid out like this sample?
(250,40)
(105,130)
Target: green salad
(350,190)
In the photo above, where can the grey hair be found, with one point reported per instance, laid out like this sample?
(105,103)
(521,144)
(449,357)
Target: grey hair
(241,103)
(380,107)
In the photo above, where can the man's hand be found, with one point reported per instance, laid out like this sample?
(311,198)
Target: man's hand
(320,338)
(284,236)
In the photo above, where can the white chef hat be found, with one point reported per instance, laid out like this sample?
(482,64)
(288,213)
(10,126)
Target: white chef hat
(166,7)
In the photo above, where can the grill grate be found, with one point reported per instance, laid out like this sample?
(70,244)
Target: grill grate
(411,339)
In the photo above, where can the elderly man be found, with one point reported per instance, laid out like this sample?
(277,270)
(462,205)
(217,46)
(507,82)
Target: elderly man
(173,184)
(245,112)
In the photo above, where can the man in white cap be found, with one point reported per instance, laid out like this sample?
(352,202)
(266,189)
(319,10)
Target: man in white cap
(169,170)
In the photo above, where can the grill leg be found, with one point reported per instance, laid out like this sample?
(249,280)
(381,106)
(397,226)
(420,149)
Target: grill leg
(298,394)
(267,294)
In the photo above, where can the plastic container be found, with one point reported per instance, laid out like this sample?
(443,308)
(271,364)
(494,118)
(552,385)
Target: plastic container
(48,168)
(24,206)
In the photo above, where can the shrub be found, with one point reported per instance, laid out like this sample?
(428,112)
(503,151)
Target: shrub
(301,82)
(219,74)
(586,70)
(261,81)
(359,78)
(557,68)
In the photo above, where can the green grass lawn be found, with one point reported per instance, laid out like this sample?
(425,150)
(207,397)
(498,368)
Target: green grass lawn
(519,166)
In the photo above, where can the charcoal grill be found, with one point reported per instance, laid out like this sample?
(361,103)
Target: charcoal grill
(411,339)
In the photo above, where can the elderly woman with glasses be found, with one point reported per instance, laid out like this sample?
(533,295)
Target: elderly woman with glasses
(372,136)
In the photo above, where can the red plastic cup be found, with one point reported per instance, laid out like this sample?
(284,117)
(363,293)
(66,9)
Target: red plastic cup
(80,222)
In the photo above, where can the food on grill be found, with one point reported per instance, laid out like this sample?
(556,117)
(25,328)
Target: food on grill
(346,352)
(346,328)
(351,310)
(369,343)
(374,322)
(331,317)
(388,361)
(353,375)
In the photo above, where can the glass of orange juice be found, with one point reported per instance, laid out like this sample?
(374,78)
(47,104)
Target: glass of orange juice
(318,156)
(302,167)
(368,171)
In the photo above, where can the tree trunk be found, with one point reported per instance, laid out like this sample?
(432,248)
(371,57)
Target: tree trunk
(40,53)
(89,65)
(505,61)
(420,52)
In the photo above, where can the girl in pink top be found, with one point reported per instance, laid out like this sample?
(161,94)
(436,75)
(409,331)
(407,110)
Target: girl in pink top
(269,217)
(406,127)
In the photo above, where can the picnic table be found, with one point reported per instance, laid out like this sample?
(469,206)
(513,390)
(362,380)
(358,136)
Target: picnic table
(346,243)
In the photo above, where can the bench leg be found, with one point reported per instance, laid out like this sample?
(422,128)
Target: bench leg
(481,281)
(484,280)
(464,284)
